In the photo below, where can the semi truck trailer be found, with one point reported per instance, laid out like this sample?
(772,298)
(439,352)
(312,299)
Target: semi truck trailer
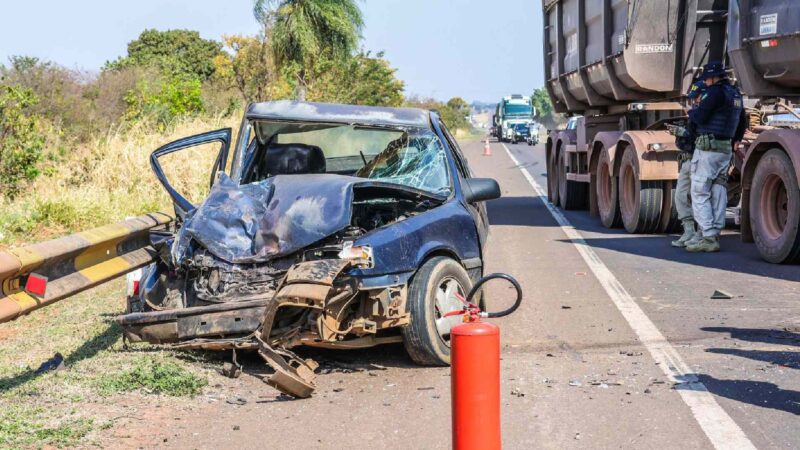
(620,70)
(512,110)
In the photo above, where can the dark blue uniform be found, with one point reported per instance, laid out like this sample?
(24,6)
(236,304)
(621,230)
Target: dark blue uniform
(720,112)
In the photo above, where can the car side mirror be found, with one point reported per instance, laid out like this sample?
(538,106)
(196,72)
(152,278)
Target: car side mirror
(480,189)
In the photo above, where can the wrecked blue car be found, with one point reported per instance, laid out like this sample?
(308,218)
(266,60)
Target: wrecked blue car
(333,226)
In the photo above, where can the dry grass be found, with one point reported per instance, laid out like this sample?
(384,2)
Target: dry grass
(108,179)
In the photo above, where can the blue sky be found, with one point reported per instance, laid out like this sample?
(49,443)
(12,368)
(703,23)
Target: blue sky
(477,49)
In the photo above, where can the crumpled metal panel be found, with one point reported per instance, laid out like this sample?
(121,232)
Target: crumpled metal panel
(256,222)
(260,221)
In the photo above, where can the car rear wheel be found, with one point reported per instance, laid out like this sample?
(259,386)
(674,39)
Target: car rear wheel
(552,179)
(775,208)
(433,292)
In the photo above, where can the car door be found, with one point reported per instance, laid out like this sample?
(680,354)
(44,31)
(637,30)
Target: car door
(477,210)
(222,136)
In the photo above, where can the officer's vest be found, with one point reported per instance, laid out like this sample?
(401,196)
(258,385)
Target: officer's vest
(725,119)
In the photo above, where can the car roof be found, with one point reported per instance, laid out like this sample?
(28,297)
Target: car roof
(293,111)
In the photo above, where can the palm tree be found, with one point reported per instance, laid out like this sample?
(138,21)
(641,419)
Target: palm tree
(303,30)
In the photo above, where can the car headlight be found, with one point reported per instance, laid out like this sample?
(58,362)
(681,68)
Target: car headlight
(362,254)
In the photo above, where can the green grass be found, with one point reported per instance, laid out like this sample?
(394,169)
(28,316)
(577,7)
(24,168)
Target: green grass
(40,409)
(27,427)
(156,377)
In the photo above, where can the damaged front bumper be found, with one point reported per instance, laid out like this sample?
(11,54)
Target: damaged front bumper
(316,304)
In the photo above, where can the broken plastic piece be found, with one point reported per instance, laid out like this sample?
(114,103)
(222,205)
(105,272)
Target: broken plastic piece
(721,295)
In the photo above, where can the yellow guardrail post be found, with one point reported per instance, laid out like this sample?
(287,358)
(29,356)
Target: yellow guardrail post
(74,263)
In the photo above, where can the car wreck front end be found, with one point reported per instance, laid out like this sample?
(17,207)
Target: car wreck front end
(298,247)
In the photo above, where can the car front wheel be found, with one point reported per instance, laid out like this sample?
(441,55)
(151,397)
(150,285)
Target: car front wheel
(433,292)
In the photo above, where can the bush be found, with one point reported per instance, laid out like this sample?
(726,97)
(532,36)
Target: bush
(21,143)
(164,100)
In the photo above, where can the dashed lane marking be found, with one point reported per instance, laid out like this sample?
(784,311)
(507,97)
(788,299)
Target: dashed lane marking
(717,425)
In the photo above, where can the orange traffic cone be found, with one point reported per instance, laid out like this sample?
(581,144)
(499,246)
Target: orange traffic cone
(487,149)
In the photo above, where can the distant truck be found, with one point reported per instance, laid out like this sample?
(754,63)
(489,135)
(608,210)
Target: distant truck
(512,110)
(620,70)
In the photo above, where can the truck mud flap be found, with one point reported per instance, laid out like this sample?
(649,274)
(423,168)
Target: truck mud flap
(293,376)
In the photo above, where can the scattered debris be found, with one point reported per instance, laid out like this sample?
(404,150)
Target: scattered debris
(721,295)
(575,383)
(55,363)
(428,388)
(338,389)
(577,436)
(240,401)
(235,428)
(566,307)
(647,391)
(517,392)
(549,355)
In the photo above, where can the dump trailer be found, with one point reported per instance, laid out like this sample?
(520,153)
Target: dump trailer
(620,68)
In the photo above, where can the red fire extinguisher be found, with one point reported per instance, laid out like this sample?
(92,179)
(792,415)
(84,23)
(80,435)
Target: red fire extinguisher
(475,373)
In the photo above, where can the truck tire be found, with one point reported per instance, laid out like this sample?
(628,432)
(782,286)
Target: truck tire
(640,202)
(669,213)
(552,179)
(775,208)
(606,190)
(431,294)
(572,194)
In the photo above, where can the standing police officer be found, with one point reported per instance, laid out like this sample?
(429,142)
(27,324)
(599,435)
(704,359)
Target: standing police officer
(685,138)
(720,122)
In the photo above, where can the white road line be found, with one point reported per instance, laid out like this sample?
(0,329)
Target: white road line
(718,426)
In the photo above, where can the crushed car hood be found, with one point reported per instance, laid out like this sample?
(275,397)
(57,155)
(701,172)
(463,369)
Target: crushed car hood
(256,222)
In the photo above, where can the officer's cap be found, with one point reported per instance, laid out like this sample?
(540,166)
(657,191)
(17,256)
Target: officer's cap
(713,69)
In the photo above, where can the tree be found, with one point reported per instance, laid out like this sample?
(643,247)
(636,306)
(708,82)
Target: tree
(358,80)
(21,141)
(454,114)
(544,109)
(303,30)
(175,52)
(248,65)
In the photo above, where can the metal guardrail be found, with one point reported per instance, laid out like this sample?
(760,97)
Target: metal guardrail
(66,266)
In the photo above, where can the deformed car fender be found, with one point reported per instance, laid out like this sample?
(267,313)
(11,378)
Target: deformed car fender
(403,246)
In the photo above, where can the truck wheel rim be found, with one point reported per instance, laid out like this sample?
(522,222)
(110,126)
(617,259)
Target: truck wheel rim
(604,188)
(446,300)
(774,207)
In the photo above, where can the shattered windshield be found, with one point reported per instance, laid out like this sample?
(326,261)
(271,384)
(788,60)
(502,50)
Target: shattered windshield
(412,157)
(417,160)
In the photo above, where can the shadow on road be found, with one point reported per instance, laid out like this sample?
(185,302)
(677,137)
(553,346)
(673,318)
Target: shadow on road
(735,256)
(757,393)
(764,335)
(784,359)
(519,211)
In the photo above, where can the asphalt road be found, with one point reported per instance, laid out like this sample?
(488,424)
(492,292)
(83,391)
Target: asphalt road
(617,345)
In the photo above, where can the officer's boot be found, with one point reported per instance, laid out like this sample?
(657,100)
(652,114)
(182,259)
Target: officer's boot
(698,236)
(708,244)
(688,233)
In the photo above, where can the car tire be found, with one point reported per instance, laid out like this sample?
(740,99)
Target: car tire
(669,212)
(422,339)
(775,209)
